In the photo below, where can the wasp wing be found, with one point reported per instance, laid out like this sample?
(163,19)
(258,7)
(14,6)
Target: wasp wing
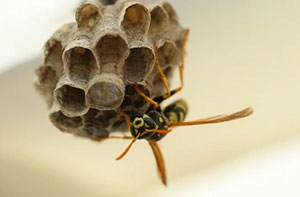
(216,119)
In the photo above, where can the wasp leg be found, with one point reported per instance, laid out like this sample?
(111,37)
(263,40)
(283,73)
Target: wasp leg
(163,78)
(157,100)
(169,93)
(126,118)
(159,161)
(162,75)
(147,98)
(113,137)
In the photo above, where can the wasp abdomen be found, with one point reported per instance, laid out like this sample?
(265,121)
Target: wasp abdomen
(176,112)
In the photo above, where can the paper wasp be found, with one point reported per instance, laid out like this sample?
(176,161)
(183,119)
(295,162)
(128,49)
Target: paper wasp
(157,123)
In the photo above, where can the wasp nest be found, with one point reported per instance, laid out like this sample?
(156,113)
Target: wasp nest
(91,65)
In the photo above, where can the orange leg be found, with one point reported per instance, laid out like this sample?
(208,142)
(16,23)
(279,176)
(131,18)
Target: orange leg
(147,98)
(181,67)
(126,118)
(164,79)
(114,137)
(162,75)
(169,93)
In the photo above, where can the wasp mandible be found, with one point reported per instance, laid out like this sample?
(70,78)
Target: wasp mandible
(156,123)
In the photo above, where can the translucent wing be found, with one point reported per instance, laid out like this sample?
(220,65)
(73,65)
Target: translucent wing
(216,119)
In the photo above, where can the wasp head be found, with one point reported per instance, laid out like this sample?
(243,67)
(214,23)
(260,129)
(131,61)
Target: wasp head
(140,125)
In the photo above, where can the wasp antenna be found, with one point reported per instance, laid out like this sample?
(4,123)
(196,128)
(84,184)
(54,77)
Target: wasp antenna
(113,137)
(160,131)
(216,119)
(126,150)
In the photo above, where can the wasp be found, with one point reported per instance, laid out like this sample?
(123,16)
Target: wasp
(156,123)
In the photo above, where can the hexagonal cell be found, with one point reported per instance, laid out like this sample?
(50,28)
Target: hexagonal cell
(93,131)
(126,104)
(65,123)
(47,76)
(136,19)
(53,56)
(167,53)
(80,64)
(168,73)
(111,49)
(93,116)
(46,83)
(133,101)
(139,103)
(88,14)
(104,95)
(157,82)
(159,20)
(171,12)
(100,119)
(108,2)
(138,64)
(179,40)
(106,92)
(71,100)
(53,48)
(108,116)
(95,122)
(130,90)
(120,125)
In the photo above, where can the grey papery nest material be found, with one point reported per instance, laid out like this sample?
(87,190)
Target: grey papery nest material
(91,65)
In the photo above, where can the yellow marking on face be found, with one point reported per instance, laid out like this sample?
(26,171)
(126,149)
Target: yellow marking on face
(146,125)
(173,117)
(161,120)
(139,125)
(166,126)
(136,131)
(145,116)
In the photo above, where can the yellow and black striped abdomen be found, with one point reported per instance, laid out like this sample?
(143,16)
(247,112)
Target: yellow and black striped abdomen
(176,112)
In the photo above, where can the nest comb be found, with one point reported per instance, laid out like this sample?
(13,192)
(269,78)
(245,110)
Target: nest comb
(91,65)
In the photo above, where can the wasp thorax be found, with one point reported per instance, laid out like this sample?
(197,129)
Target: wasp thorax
(91,64)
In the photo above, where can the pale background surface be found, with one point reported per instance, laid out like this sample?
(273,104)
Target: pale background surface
(240,53)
